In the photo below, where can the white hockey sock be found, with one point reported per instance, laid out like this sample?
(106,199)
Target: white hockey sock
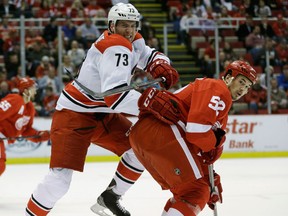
(53,187)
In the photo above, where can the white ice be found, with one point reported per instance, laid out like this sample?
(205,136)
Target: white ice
(252,187)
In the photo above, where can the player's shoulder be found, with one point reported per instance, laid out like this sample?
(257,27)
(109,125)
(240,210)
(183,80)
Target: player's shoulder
(13,97)
(138,37)
(110,40)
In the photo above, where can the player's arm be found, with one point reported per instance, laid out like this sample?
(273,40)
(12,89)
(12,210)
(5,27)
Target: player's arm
(158,65)
(206,119)
(36,135)
(9,105)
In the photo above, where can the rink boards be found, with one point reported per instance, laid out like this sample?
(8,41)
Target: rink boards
(247,136)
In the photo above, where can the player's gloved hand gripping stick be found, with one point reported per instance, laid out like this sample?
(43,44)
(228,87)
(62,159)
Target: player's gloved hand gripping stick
(115,90)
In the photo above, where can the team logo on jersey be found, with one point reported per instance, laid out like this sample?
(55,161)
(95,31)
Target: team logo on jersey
(21,122)
(23,146)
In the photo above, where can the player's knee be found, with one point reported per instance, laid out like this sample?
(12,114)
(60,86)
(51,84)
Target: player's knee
(2,166)
(183,208)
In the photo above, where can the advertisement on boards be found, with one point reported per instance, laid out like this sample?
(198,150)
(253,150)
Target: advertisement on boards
(245,133)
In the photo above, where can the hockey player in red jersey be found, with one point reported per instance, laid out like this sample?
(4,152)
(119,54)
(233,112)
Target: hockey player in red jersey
(80,118)
(16,118)
(186,132)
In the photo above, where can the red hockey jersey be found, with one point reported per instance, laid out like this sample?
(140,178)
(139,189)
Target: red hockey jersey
(16,117)
(208,102)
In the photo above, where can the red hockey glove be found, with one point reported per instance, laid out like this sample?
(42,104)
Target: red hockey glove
(216,194)
(160,104)
(213,155)
(161,68)
(41,136)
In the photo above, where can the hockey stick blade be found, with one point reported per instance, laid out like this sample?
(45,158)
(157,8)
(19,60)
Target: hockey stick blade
(115,90)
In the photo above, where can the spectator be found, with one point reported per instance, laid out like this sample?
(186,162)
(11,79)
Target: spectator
(262,10)
(69,29)
(282,51)
(82,42)
(283,79)
(5,27)
(256,98)
(12,64)
(49,102)
(43,68)
(92,9)
(185,22)
(266,29)
(45,11)
(7,9)
(77,54)
(249,7)
(228,51)
(34,56)
(75,7)
(208,60)
(272,54)
(280,28)
(255,42)
(49,79)
(241,13)
(68,65)
(199,9)
(263,79)
(146,28)
(278,97)
(25,9)
(89,31)
(245,29)
(12,43)
(50,30)
(224,15)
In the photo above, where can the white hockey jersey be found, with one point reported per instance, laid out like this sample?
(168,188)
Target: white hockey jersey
(109,63)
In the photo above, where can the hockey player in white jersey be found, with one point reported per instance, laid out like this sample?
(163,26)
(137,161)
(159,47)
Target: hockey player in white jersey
(80,118)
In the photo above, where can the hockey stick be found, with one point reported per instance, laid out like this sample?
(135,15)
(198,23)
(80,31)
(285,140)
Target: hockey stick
(19,137)
(115,90)
(211,179)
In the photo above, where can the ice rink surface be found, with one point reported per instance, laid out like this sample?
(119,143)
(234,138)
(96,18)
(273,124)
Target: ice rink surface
(252,187)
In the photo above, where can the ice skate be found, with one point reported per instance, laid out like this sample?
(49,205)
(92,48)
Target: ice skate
(108,200)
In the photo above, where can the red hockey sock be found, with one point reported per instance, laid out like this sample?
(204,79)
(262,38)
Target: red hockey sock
(34,208)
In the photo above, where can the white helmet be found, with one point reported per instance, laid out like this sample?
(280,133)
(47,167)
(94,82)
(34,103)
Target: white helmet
(122,11)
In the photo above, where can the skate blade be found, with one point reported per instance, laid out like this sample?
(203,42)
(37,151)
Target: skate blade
(101,210)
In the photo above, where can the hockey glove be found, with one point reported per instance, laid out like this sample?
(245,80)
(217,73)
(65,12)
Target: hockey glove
(213,155)
(216,194)
(160,104)
(220,136)
(161,68)
(41,136)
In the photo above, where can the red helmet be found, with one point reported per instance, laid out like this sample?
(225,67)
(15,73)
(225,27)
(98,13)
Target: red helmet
(243,68)
(25,83)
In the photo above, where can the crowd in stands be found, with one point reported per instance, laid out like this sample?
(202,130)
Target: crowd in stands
(81,21)
(248,30)
(247,39)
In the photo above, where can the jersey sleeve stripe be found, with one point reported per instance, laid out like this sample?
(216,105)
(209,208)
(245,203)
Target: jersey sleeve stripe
(151,57)
(197,128)
(119,100)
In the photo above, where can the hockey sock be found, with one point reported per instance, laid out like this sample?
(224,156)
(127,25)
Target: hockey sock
(128,171)
(53,187)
